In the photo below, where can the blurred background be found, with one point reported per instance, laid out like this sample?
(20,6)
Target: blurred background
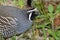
(46,26)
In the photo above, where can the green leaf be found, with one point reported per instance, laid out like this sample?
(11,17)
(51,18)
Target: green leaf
(58,33)
(50,8)
(58,8)
(51,15)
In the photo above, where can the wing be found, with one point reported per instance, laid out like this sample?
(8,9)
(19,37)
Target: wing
(13,21)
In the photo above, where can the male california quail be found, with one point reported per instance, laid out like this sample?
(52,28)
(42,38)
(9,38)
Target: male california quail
(14,21)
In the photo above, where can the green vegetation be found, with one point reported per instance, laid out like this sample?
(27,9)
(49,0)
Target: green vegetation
(19,3)
(48,20)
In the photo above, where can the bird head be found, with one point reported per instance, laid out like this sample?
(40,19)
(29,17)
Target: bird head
(33,13)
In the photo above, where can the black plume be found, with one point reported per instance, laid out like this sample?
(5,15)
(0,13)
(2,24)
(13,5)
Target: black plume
(29,3)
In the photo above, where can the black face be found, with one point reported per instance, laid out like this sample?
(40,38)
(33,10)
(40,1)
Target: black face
(34,14)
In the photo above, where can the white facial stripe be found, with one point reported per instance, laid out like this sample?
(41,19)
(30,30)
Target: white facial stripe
(32,10)
(30,17)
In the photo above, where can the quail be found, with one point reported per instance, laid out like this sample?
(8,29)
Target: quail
(14,21)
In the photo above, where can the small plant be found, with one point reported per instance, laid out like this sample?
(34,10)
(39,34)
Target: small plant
(19,3)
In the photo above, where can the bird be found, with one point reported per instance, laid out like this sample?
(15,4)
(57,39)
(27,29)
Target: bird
(14,21)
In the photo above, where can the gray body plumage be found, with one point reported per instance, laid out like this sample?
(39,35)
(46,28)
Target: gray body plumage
(14,21)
